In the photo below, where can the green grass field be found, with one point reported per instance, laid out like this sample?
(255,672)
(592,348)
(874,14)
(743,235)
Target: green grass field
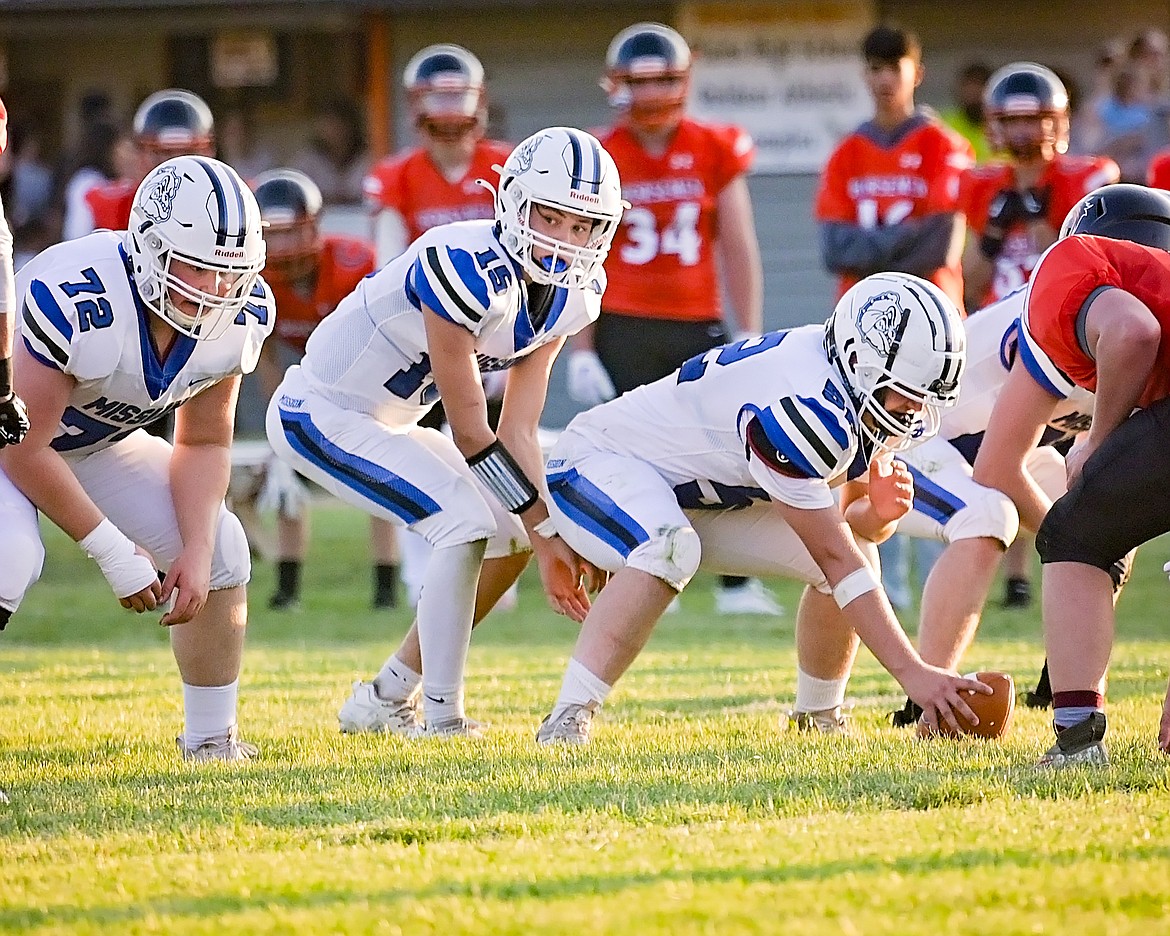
(692,812)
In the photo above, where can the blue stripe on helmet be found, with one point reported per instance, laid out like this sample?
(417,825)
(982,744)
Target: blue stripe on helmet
(575,172)
(221,234)
(596,165)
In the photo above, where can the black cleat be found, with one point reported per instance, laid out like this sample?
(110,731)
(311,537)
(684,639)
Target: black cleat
(1041,696)
(284,601)
(907,716)
(1017,593)
(1079,744)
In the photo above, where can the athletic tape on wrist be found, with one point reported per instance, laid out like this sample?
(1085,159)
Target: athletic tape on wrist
(854,585)
(501,475)
(125,569)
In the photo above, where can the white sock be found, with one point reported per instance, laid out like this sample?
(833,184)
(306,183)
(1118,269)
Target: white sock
(416,553)
(396,682)
(445,611)
(815,695)
(208,711)
(581,686)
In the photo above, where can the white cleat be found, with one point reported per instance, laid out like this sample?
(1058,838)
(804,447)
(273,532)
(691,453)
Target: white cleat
(831,721)
(221,747)
(750,598)
(457,727)
(366,711)
(570,724)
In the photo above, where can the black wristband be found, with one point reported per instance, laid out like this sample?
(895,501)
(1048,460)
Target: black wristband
(990,244)
(5,376)
(499,472)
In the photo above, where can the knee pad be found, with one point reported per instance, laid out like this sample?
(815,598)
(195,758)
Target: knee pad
(1065,537)
(232,564)
(21,560)
(988,514)
(671,554)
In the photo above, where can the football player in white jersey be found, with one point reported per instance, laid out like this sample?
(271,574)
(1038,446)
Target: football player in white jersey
(466,298)
(729,464)
(977,522)
(116,329)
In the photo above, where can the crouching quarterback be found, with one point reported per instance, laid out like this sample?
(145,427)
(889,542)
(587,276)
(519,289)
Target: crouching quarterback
(117,329)
(728,464)
(466,298)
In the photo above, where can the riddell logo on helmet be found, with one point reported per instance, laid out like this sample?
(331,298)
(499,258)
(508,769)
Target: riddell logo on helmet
(586,197)
(230,254)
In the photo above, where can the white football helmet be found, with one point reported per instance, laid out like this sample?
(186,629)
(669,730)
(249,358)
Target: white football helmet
(898,332)
(197,212)
(570,170)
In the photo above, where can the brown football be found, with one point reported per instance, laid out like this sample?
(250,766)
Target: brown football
(994,711)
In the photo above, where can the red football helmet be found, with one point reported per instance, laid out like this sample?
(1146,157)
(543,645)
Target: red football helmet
(647,75)
(445,88)
(173,123)
(1027,112)
(289,204)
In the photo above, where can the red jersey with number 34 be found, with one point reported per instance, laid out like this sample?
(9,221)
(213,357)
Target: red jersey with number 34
(344,262)
(662,262)
(412,185)
(1064,283)
(871,183)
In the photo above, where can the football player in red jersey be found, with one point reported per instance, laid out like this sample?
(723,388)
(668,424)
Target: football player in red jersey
(309,273)
(1014,206)
(436,182)
(1097,316)
(433,183)
(888,194)
(169,123)
(691,207)
(1158,172)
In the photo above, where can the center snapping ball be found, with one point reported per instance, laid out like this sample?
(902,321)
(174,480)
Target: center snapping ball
(993,711)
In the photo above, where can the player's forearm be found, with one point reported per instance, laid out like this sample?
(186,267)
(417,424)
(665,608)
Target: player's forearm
(524,446)
(583,340)
(744,281)
(199,476)
(1125,359)
(7,286)
(6,347)
(46,479)
(865,522)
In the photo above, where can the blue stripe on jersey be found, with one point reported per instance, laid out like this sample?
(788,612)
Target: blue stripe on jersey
(368,479)
(784,445)
(48,307)
(1035,368)
(38,356)
(594,511)
(420,293)
(158,375)
(468,271)
(935,502)
(828,418)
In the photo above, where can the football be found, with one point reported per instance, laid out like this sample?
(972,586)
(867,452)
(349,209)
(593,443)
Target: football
(994,711)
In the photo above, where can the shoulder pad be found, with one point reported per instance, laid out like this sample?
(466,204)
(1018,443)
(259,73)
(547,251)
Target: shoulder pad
(804,438)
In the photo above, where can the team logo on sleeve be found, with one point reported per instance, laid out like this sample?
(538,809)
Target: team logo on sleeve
(878,321)
(159,198)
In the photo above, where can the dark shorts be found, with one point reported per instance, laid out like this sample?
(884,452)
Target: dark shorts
(637,351)
(1121,500)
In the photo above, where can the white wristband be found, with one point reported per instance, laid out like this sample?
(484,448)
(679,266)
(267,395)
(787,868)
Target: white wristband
(127,571)
(854,585)
(546,528)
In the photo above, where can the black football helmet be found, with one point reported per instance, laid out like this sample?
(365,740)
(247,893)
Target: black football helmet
(289,205)
(173,123)
(445,87)
(1123,211)
(647,75)
(1025,89)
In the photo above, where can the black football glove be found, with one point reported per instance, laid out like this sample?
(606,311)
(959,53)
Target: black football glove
(1005,209)
(13,420)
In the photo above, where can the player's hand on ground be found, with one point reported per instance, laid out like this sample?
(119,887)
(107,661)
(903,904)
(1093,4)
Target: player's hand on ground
(938,691)
(188,581)
(891,489)
(564,575)
(146,598)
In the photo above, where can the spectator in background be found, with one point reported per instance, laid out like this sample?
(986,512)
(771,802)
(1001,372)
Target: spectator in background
(689,239)
(28,185)
(102,159)
(238,146)
(336,157)
(888,201)
(1088,130)
(1128,123)
(966,116)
